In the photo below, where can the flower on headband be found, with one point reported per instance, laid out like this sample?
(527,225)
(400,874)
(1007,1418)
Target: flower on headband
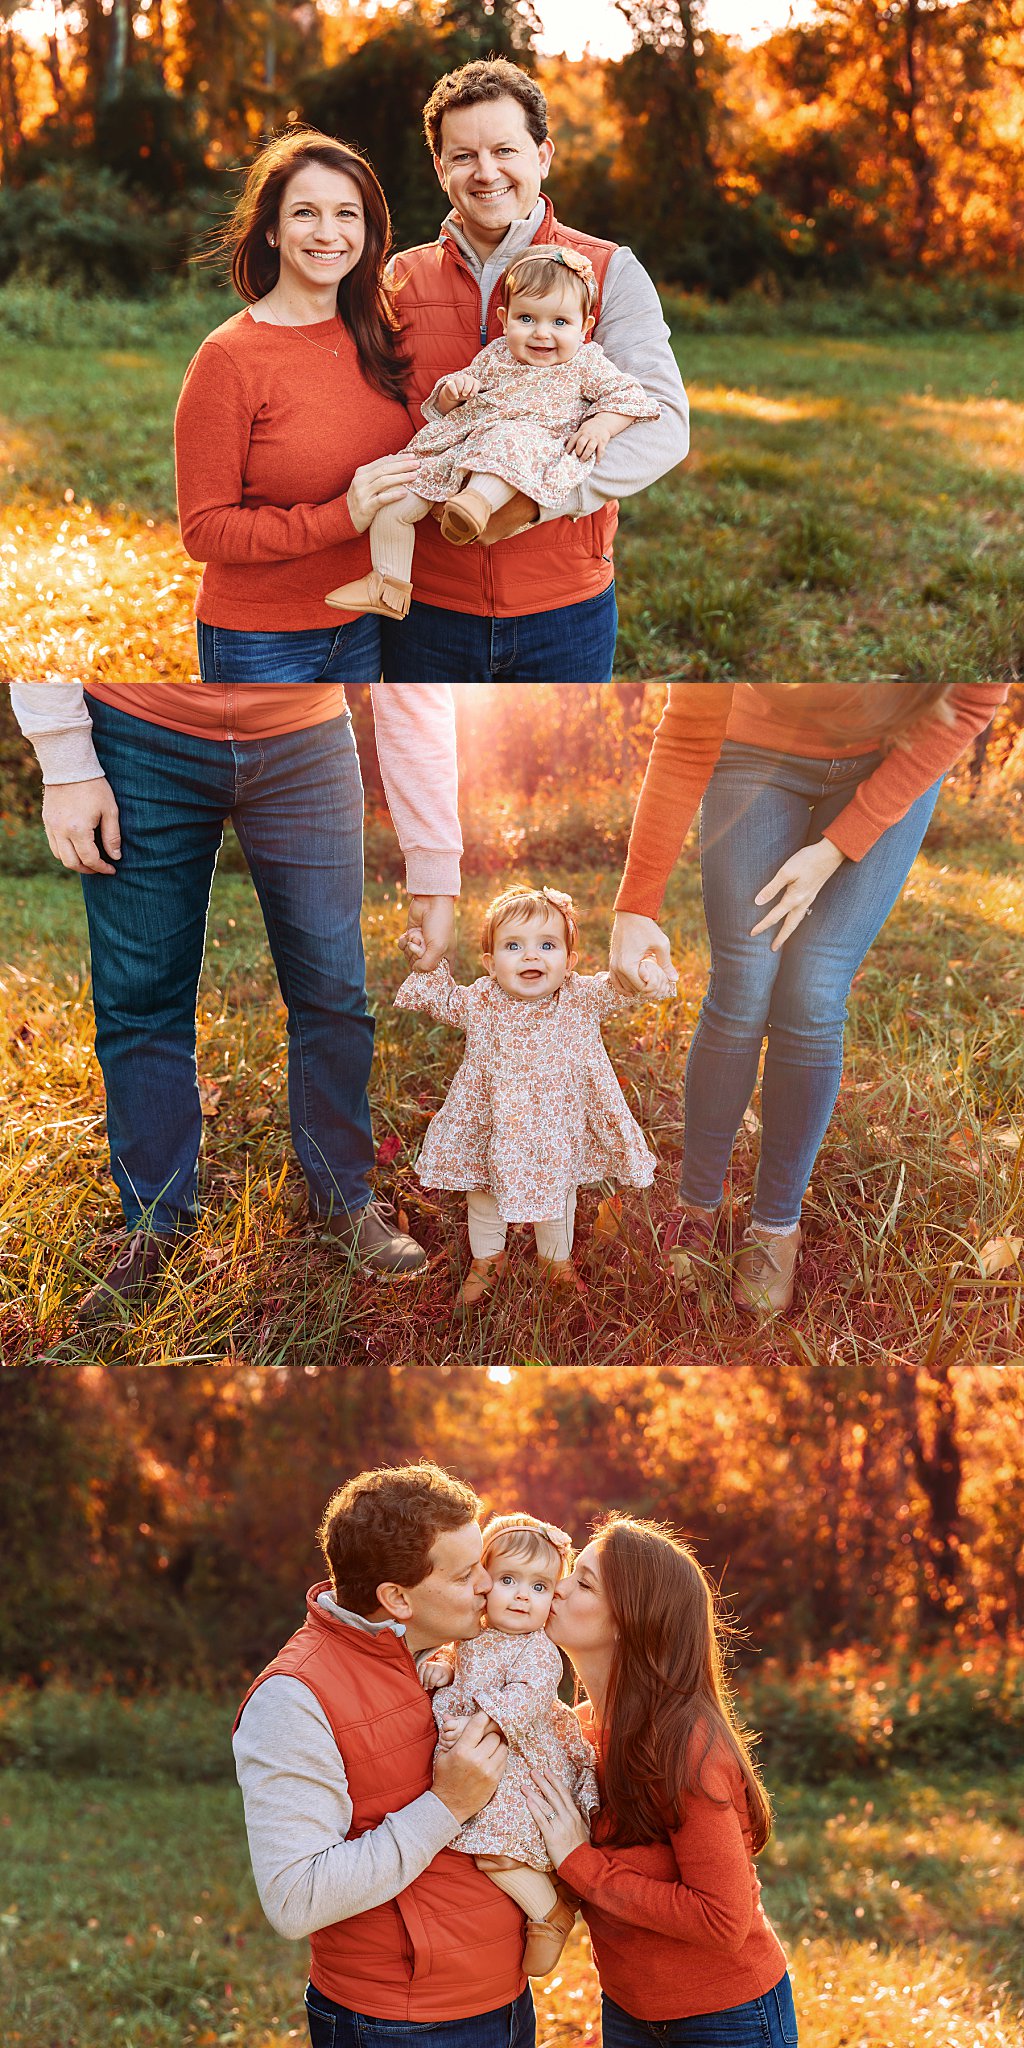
(559,899)
(560,1538)
(580,265)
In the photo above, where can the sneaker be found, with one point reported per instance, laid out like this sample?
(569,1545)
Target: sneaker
(134,1273)
(688,1243)
(764,1273)
(373,1233)
(482,1279)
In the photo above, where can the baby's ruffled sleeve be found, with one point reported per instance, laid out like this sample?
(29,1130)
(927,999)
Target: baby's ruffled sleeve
(482,368)
(438,994)
(609,389)
(606,998)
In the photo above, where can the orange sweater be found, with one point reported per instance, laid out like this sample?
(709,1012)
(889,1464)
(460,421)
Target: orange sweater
(678,1926)
(270,429)
(785,719)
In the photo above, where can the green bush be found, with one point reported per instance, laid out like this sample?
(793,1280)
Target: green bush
(842,1720)
(885,306)
(179,1737)
(82,229)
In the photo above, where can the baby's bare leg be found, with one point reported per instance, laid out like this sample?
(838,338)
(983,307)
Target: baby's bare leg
(393,536)
(532,1891)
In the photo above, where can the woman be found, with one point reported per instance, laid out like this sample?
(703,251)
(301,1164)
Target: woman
(684,1952)
(284,430)
(814,795)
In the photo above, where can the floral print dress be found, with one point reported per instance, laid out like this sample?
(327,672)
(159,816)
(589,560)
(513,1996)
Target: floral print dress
(515,1679)
(535,1110)
(518,424)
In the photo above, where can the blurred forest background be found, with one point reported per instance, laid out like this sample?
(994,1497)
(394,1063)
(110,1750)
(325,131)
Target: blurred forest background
(863,141)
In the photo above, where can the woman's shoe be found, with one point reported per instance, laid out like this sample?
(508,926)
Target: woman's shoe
(384,595)
(764,1275)
(465,516)
(482,1279)
(545,1939)
(688,1243)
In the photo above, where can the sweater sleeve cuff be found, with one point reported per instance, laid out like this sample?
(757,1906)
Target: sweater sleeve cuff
(67,756)
(639,897)
(432,873)
(581,1867)
(439,1824)
(336,523)
(852,833)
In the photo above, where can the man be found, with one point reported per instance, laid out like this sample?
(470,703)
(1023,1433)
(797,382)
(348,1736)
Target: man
(349,1816)
(138,781)
(539,607)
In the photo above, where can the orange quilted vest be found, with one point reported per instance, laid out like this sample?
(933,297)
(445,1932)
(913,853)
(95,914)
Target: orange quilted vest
(561,562)
(451,1945)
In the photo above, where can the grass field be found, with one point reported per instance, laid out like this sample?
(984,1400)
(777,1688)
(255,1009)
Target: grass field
(128,1918)
(852,506)
(921,1170)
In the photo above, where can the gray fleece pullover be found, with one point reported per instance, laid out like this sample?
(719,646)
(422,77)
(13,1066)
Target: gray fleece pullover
(298,1811)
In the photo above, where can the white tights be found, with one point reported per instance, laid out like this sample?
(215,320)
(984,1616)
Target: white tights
(487,1229)
(393,529)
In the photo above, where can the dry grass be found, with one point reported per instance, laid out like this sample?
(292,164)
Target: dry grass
(922,1167)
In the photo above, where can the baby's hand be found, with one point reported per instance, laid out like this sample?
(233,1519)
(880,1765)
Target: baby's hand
(593,436)
(455,390)
(435,1673)
(413,944)
(657,982)
(451,1728)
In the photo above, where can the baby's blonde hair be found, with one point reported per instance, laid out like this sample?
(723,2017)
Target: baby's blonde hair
(526,1539)
(531,904)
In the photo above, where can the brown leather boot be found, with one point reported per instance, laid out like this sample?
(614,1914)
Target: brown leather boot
(560,1273)
(136,1272)
(688,1243)
(764,1272)
(545,1939)
(482,1279)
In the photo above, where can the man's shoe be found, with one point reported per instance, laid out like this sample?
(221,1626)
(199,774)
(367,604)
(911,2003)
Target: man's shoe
(373,1234)
(688,1243)
(764,1274)
(482,1279)
(135,1272)
(545,1939)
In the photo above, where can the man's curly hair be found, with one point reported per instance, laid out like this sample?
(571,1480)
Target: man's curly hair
(384,1524)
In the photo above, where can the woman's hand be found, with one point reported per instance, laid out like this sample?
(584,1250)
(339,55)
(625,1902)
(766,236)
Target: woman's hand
(559,1820)
(429,932)
(455,390)
(73,813)
(800,878)
(379,483)
(636,940)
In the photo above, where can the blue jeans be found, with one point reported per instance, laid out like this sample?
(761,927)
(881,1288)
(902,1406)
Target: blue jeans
(768,2022)
(296,802)
(317,654)
(333,2026)
(575,643)
(760,808)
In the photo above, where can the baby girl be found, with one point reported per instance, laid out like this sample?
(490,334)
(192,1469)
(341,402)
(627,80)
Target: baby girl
(533,412)
(535,1109)
(513,1670)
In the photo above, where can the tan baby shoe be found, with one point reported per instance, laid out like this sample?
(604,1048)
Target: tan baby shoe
(373,593)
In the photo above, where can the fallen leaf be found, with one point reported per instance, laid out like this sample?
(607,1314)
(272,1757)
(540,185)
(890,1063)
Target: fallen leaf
(999,1254)
(1007,1139)
(608,1221)
(209,1097)
(388,1149)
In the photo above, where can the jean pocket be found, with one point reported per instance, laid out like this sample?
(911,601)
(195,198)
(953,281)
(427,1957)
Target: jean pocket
(322,2024)
(785,2010)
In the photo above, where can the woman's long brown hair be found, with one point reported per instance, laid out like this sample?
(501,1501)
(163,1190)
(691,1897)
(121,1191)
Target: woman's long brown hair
(877,713)
(668,1704)
(364,304)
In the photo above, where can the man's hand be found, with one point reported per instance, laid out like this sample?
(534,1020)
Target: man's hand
(635,942)
(429,932)
(800,878)
(455,390)
(466,1777)
(593,435)
(73,812)
(519,513)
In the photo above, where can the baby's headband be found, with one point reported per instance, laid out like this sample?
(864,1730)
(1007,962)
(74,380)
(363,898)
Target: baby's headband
(580,266)
(559,1539)
(559,900)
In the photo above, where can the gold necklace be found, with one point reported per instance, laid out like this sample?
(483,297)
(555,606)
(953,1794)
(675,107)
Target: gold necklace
(318,345)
